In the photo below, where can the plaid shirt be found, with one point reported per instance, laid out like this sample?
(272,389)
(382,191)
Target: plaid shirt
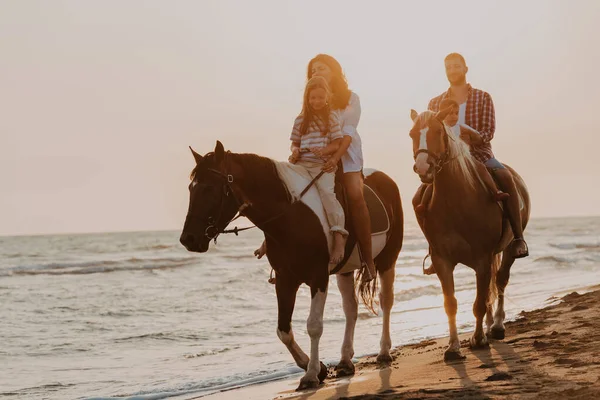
(479,115)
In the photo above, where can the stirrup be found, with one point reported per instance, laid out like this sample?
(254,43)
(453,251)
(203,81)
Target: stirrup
(430,270)
(272,279)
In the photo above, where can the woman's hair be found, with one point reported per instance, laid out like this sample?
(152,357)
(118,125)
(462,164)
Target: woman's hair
(308,114)
(339,85)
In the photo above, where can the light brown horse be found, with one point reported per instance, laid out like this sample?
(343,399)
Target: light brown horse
(463,224)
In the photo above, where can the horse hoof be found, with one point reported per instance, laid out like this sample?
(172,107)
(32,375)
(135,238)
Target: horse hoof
(497,333)
(478,343)
(384,359)
(453,355)
(322,373)
(307,384)
(344,368)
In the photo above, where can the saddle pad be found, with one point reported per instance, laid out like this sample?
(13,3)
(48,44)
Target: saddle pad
(296,178)
(380,222)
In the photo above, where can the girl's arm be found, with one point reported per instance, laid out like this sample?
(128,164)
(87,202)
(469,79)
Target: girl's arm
(295,136)
(332,147)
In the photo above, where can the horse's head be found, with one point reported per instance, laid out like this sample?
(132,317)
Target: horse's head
(430,142)
(212,201)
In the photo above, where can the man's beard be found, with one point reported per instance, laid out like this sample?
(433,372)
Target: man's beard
(459,80)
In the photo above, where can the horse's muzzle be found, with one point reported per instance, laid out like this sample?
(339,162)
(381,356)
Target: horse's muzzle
(427,177)
(192,243)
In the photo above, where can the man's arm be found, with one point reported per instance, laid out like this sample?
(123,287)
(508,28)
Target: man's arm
(488,119)
(488,125)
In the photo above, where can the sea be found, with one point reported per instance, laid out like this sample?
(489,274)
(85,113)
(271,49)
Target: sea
(135,316)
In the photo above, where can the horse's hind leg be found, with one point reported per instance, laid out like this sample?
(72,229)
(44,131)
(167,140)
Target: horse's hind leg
(445,273)
(345,283)
(498,331)
(489,319)
(386,298)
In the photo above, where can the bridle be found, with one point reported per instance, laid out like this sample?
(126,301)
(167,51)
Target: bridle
(438,161)
(212,230)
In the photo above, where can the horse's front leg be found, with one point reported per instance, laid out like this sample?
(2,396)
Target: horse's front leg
(286,290)
(345,283)
(314,374)
(497,329)
(445,273)
(480,307)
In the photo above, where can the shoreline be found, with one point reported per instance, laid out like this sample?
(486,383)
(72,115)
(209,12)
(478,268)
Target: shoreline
(551,352)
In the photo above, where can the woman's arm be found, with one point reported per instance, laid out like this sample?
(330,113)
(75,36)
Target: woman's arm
(350,121)
(331,148)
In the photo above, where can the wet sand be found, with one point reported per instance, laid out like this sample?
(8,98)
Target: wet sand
(550,353)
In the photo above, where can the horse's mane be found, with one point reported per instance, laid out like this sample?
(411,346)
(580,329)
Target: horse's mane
(259,172)
(459,151)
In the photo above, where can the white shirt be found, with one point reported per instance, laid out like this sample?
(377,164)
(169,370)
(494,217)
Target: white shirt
(462,111)
(352,160)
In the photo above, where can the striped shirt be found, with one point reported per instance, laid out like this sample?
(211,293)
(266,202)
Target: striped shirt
(479,115)
(314,135)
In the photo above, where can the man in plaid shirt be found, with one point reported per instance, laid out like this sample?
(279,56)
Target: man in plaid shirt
(477,121)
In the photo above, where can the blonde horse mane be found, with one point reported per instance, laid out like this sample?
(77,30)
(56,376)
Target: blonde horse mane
(459,152)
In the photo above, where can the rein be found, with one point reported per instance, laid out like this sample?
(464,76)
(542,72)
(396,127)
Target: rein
(212,232)
(439,161)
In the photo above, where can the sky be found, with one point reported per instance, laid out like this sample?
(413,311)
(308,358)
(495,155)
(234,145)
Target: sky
(100,100)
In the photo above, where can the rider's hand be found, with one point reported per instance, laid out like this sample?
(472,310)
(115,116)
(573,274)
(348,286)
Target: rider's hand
(331,164)
(465,135)
(295,156)
(317,151)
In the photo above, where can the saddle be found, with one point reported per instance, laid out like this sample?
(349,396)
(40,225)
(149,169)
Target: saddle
(296,179)
(380,225)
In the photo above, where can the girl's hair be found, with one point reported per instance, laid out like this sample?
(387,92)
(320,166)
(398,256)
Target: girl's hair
(339,84)
(447,103)
(308,114)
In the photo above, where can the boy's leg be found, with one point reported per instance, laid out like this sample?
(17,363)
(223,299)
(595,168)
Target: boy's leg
(486,176)
(261,251)
(421,208)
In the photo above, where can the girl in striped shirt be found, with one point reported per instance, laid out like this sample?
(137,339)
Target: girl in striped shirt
(315,137)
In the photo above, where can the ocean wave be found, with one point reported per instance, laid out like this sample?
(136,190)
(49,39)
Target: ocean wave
(211,352)
(573,246)
(163,336)
(553,259)
(210,386)
(99,266)
(411,294)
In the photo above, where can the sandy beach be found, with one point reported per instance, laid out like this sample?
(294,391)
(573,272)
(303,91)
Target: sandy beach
(550,353)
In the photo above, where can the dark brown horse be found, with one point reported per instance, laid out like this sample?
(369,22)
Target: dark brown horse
(298,250)
(463,224)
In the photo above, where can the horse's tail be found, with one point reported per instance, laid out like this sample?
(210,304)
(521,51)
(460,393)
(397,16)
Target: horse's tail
(367,290)
(496,262)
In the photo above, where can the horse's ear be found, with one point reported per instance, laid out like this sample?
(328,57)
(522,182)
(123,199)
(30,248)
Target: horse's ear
(443,113)
(197,156)
(219,152)
(414,115)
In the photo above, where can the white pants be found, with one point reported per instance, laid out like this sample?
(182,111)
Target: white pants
(325,185)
